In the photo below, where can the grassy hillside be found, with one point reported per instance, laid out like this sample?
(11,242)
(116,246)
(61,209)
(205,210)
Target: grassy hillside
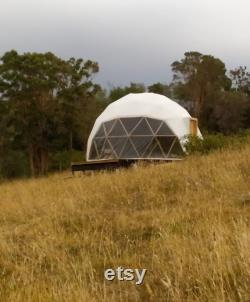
(187,223)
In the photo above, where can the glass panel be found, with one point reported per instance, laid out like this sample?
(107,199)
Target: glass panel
(117,130)
(141,143)
(150,148)
(176,150)
(128,151)
(154,124)
(157,152)
(93,153)
(100,132)
(117,143)
(142,129)
(166,143)
(130,123)
(164,130)
(99,144)
(107,152)
(108,125)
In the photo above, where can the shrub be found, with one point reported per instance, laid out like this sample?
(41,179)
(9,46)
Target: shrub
(211,142)
(13,164)
(207,144)
(60,161)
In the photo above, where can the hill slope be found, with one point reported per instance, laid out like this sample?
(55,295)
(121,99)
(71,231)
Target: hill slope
(187,223)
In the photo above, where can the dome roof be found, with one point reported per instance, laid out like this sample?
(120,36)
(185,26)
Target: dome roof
(143,104)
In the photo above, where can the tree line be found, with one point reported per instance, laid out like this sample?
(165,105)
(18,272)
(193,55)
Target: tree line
(48,105)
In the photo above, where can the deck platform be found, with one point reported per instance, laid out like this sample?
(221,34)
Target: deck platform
(114,164)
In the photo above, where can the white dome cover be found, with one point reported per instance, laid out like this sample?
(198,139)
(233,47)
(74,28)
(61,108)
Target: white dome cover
(149,105)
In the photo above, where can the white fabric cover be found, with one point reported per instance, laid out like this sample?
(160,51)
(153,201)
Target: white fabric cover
(150,105)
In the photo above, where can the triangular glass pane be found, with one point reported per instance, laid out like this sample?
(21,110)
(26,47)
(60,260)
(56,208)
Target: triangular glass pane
(99,144)
(100,132)
(141,143)
(176,150)
(93,153)
(157,152)
(128,151)
(164,130)
(130,123)
(117,144)
(142,128)
(154,124)
(117,130)
(166,143)
(108,126)
(153,151)
(107,152)
(150,148)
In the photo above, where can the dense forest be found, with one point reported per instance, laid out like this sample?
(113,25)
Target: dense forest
(48,105)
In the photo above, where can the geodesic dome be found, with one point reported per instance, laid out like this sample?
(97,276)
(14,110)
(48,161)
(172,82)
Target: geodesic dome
(138,126)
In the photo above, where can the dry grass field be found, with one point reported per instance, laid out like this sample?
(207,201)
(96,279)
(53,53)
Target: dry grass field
(187,223)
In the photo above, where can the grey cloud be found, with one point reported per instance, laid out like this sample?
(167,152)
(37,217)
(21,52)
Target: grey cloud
(133,40)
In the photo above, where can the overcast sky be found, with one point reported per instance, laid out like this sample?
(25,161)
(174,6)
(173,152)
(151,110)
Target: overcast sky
(133,40)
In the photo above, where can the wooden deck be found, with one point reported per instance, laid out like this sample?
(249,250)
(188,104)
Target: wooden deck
(100,165)
(114,164)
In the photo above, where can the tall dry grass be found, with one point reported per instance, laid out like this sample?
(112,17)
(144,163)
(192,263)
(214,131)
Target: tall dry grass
(187,223)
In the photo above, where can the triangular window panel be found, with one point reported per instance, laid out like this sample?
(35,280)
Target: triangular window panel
(141,143)
(176,150)
(100,132)
(166,143)
(108,126)
(142,128)
(93,153)
(117,144)
(130,123)
(150,148)
(99,144)
(129,151)
(157,152)
(117,130)
(107,152)
(164,130)
(154,124)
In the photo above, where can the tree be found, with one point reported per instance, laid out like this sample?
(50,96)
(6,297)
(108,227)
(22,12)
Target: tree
(77,98)
(195,75)
(241,83)
(241,79)
(3,133)
(225,111)
(161,89)
(118,92)
(34,85)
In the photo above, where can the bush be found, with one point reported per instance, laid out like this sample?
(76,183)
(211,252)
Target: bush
(207,144)
(14,164)
(60,161)
(211,142)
